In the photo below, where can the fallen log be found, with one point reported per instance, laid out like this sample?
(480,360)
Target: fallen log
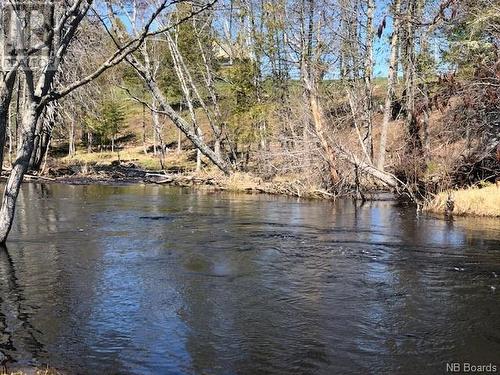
(386,178)
(33,177)
(166,181)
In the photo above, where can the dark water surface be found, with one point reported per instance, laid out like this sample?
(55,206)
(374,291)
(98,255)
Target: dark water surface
(154,280)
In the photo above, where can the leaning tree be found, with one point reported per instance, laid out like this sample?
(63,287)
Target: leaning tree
(37,36)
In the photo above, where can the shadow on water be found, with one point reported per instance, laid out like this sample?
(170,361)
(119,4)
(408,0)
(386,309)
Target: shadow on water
(149,280)
(17,335)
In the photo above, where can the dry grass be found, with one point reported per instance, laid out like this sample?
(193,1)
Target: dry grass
(282,185)
(472,201)
(134,154)
(241,182)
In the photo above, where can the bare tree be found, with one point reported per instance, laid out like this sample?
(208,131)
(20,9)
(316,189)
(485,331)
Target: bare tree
(144,71)
(368,73)
(312,74)
(60,27)
(6,89)
(391,82)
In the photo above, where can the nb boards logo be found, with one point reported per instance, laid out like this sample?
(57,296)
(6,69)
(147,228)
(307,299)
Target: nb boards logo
(26,26)
(470,368)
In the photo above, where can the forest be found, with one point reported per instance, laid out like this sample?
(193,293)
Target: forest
(325,97)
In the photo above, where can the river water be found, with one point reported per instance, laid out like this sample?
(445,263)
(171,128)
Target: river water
(156,280)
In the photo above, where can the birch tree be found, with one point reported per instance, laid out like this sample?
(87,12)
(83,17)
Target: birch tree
(60,25)
(143,69)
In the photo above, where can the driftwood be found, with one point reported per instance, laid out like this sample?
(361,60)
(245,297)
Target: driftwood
(179,180)
(30,177)
(33,177)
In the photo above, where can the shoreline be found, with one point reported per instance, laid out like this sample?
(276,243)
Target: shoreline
(245,183)
(239,182)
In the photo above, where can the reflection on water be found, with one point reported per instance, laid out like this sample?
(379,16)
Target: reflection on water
(147,279)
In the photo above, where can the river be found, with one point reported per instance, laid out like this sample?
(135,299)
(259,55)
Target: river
(157,280)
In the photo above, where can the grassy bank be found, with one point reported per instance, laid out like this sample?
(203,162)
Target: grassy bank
(476,201)
(136,155)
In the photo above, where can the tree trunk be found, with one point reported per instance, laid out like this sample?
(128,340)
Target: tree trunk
(30,118)
(41,168)
(179,141)
(198,161)
(71,148)
(89,142)
(387,178)
(391,81)
(414,142)
(42,150)
(158,133)
(317,114)
(199,133)
(144,146)
(43,135)
(217,147)
(6,90)
(155,142)
(368,78)
(425,122)
(10,137)
(36,144)
(185,127)
(311,76)
(178,121)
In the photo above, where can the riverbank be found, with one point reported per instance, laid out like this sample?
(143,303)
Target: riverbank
(126,173)
(132,172)
(473,201)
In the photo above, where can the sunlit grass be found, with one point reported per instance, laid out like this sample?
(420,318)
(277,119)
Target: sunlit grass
(472,201)
(241,181)
(134,155)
